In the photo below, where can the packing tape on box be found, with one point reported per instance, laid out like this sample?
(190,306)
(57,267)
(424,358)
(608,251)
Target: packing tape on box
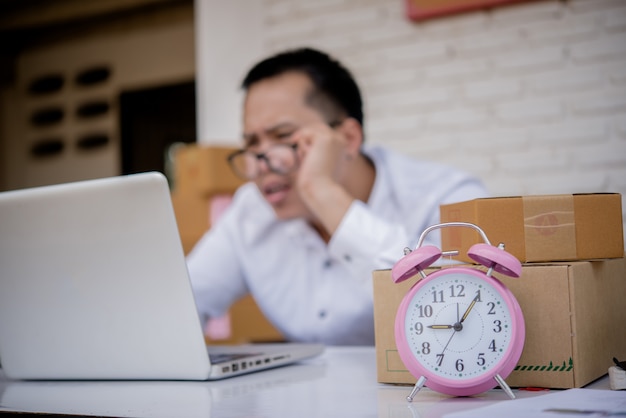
(549,232)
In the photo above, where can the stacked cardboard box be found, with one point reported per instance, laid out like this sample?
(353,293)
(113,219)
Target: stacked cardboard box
(571,289)
(541,228)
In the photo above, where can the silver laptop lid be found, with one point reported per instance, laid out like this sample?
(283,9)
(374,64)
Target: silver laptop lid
(93,284)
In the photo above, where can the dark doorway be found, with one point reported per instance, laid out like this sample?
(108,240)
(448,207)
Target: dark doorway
(153,119)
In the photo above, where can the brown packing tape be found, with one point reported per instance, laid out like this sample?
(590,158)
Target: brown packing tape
(549,230)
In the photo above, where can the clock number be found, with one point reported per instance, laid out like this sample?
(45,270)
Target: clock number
(419,328)
(426,347)
(492,308)
(439,359)
(498,325)
(459,293)
(438,296)
(481,359)
(492,345)
(459,365)
(477,298)
(425,311)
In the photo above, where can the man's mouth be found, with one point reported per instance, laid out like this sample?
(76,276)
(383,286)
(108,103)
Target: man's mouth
(276,192)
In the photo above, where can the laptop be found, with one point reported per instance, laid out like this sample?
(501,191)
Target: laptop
(94,286)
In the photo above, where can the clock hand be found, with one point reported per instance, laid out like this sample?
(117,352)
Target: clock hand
(469,308)
(445,348)
(440,326)
(448,343)
(457,326)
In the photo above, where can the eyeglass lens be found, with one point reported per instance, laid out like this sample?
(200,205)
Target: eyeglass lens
(280,159)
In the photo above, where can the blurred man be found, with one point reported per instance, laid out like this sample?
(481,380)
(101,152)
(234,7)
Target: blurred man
(320,210)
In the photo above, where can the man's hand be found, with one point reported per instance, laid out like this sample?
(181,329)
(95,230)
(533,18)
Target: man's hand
(321,150)
(324,158)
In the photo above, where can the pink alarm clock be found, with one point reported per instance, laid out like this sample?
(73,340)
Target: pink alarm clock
(459,330)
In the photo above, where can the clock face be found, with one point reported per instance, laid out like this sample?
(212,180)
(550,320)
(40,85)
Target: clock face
(458,326)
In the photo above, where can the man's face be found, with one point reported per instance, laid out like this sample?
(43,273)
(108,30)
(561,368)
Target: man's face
(274,109)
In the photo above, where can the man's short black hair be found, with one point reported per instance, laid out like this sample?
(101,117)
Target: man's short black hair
(336,93)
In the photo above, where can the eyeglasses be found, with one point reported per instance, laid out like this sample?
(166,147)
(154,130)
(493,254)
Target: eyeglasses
(280,159)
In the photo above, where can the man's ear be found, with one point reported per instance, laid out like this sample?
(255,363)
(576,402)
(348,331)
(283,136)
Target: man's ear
(353,132)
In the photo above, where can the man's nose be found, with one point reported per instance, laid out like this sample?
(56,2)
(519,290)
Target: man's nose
(263,166)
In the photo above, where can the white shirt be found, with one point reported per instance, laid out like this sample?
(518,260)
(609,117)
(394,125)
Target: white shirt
(310,290)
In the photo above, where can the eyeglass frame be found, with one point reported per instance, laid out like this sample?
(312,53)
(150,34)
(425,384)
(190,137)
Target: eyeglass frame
(263,156)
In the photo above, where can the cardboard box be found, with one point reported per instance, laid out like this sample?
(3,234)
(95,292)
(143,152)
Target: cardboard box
(249,325)
(574,313)
(193,218)
(540,228)
(203,171)
(201,174)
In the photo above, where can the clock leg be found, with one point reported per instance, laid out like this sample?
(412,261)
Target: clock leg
(504,386)
(416,388)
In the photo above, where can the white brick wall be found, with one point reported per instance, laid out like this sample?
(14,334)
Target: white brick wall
(530,97)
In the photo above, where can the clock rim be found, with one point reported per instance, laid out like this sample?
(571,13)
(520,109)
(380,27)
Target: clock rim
(474,385)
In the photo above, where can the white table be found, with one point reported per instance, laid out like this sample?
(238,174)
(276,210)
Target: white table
(340,383)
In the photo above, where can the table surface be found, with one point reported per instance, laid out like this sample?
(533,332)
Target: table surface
(339,383)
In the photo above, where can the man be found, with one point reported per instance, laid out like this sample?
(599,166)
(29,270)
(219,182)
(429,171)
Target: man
(321,211)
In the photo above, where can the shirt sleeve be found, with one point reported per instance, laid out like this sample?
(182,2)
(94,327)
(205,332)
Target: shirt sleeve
(214,270)
(366,242)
